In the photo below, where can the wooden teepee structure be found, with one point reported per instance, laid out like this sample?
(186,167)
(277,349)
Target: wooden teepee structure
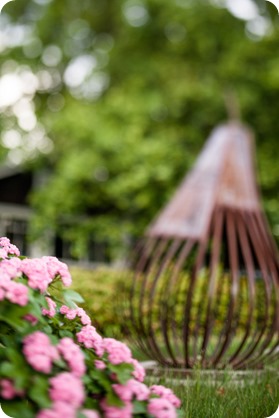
(206,282)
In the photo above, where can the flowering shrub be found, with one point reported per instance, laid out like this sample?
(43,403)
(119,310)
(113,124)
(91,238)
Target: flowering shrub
(53,362)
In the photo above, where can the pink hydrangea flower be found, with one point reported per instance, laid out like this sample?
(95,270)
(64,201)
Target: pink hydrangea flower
(139,372)
(51,311)
(166,393)
(2,294)
(8,390)
(99,364)
(89,337)
(3,253)
(31,318)
(56,267)
(161,408)
(58,410)
(84,318)
(64,309)
(65,387)
(4,241)
(71,314)
(37,273)
(131,389)
(117,351)
(140,390)
(114,412)
(68,312)
(5,282)
(10,268)
(89,413)
(76,312)
(39,351)
(8,247)
(73,356)
(17,293)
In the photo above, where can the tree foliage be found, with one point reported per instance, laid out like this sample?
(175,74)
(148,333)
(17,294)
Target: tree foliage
(128,92)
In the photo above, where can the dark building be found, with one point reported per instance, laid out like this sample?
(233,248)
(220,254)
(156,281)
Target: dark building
(16,214)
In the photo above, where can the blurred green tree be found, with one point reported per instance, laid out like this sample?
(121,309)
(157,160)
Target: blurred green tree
(125,94)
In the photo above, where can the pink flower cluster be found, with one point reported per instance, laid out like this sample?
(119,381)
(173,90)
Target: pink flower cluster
(31,318)
(36,271)
(64,410)
(57,268)
(89,337)
(100,364)
(7,248)
(73,356)
(117,351)
(58,410)
(8,390)
(77,312)
(132,389)
(139,372)
(42,271)
(51,311)
(114,412)
(65,387)
(14,292)
(167,394)
(161,408)
(10,268)
(39,351)
(89,413)
(67,394)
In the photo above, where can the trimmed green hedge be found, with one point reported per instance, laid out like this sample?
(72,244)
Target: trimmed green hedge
(106,294)
(101,289)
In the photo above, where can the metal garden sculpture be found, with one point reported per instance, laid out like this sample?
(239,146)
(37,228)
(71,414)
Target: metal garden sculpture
(206,285)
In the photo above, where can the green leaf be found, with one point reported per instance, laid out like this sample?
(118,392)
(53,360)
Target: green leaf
(123,371)
(139,407)
(91,403)
(65,333)
(71,296)
(18,409)
(17,369)
(101,378)
(39,392)
(13,315)
(8,369)
(113,400)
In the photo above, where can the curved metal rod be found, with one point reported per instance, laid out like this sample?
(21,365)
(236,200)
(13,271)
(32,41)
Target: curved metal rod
(237,239)
(250,269)
(152,296)
(165,306)
(177,281)
(267,348)
(211,294)
(217,313)
(201,305)
(262,355)
(264,227)
(161,247)
(188,305)
(232,247)
(149,245)
(256,243)
(201,302)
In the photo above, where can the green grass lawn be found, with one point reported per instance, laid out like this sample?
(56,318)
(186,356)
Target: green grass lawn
(252,396)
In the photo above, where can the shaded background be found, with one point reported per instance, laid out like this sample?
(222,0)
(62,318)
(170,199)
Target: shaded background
(106,104)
